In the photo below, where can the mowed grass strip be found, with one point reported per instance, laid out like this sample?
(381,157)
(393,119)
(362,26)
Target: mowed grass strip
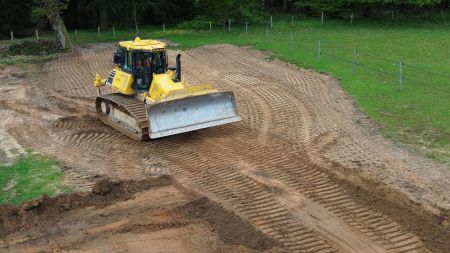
(418,115)
(30,176)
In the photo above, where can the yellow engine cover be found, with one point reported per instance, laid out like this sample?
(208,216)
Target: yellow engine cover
(120,81)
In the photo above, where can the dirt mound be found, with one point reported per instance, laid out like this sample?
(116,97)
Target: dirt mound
(47,211)
(155,209)
(231,229)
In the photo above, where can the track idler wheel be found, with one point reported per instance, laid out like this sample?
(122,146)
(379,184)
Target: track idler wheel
(105,107)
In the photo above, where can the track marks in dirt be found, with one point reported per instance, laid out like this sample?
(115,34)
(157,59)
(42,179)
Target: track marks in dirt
(291,131)
(295,173)
(67,77)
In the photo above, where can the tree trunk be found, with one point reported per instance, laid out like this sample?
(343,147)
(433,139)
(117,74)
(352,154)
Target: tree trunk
(103,15)
(133,12)
(285,5)
(58,26)
(62,35)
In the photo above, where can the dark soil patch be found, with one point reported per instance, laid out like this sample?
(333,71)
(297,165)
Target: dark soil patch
(432,229)
(48,211)
(231,229)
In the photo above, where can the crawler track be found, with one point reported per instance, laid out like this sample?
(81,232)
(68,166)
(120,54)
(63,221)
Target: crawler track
(129,106)
(271,168)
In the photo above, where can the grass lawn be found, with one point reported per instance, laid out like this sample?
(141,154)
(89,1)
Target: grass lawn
(418,115)
(30,176)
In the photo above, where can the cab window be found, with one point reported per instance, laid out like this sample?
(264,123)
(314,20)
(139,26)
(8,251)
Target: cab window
(159,62)
(128,61)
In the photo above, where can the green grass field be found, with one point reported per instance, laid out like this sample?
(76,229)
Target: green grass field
(418,115)
(30,176)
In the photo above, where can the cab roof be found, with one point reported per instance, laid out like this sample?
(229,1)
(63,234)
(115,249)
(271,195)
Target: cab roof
(138,44)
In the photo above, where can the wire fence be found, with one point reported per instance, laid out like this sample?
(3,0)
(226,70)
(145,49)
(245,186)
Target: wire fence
(436,82)
(324,46)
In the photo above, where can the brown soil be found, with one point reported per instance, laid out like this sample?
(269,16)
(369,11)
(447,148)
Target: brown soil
(231,229)
(48,211)
(305,171)
(33,225)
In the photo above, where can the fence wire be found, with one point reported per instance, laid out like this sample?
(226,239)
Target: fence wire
(272,35)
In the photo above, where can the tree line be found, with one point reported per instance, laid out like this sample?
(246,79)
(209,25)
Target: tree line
(25,15)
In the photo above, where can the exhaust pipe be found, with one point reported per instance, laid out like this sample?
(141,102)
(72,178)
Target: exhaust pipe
(177,76)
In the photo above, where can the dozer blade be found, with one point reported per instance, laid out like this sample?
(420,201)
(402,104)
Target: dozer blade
(191,113)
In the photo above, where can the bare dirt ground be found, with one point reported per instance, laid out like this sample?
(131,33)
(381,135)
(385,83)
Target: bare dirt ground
(304,171)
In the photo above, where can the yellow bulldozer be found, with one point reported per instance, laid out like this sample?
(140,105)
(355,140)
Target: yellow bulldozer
(149,98)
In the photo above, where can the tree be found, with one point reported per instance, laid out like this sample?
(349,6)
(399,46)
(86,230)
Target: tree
(102,10)
(15,16)
(220,11)
(338,6)
(285,5)
(53,9)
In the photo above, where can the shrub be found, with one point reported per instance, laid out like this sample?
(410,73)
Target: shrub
(194,24)
(40,47)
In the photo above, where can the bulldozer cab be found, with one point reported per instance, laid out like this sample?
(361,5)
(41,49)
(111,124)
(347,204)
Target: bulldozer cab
(142,61)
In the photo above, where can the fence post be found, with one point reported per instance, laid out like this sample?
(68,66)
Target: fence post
(12,37)
(37,34)
(164,27)
(354,61)
(210,26)
(114,32)
(98,32)
(271,22)
(351,18)
(321,20)
(292,21)
(137,29)
(401,75)
(76,35)
(318,55)
(229,25)
(246,28)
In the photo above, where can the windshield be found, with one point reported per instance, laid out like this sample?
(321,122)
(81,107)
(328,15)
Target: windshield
(159,62)
(142,70)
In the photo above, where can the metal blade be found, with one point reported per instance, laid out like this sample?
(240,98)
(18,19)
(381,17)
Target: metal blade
(191,113)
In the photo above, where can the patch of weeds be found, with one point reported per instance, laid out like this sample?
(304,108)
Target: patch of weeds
(24,59)
(38,47)
(30,176)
